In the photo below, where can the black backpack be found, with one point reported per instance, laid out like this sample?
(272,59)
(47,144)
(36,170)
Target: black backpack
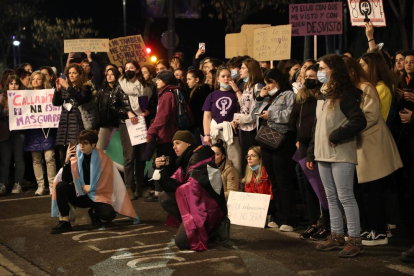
(185,118)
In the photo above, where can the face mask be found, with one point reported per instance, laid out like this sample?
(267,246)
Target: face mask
(246,79)
(130,74)
(322,77)
(225,86)
(234,74)
(273,91)
(254,168)
(311,83)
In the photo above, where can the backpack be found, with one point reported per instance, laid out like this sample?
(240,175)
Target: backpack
(185,117)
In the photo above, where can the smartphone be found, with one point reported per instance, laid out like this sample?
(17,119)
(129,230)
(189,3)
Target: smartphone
(167,160)
(62,76)
(408,90)
(77,55)
(202,46)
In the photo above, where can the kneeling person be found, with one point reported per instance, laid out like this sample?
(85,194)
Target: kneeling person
(89,179)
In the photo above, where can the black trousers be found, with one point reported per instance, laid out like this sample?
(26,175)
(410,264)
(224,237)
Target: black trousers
(66,194)
(248,140)
(371,205)
(169,204)
(280,168)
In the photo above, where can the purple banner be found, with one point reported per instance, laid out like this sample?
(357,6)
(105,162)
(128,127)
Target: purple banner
(315,181)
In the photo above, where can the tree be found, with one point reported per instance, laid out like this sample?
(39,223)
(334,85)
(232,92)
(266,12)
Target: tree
(52,35)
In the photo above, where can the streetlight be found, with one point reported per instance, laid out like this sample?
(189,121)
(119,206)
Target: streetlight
(16,52)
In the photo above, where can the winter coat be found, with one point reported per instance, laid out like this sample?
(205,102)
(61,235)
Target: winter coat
(302,119)
(196,103)
(35,140)
(376,150)
(164,125)
(105,98)
(199,193)
(71,124)
(338,125)
(263,187)
(229,176)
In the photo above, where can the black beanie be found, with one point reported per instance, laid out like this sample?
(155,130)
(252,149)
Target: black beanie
(185,136)
(167,77)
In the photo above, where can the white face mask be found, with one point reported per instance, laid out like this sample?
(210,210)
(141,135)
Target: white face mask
(273,91)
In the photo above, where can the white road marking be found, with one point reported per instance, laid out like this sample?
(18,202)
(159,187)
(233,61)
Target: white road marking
(131,235)
(101,229)
(140,243)
(133,255)
(402,269)
(94,248)
(136,247)
(23,198)
(77,237)
(132,264)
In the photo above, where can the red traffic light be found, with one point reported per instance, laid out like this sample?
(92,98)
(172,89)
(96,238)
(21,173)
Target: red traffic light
(148,50)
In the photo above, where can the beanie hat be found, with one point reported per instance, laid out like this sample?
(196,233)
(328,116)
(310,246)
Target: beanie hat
(167,77)
(185,136)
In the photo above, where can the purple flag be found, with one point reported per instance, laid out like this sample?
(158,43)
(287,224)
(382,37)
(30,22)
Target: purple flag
(143,102)
(296,156)
(315,181)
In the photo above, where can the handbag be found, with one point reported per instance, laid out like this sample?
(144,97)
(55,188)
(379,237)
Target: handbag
(269,138)
(90,115)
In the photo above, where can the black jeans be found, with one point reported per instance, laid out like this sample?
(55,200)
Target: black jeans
(248,140)
(66,193)
(169,204)
(133,163)
(167,150)
(280,168)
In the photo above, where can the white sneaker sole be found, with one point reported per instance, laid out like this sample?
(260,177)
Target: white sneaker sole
(375,243)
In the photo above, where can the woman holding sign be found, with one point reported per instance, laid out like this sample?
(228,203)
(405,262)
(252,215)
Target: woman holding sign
(132,101)
(41,141)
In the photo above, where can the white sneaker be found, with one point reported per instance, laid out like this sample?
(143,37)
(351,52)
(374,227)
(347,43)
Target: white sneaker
(3,189)
(40,190)
(17,189)
(286,228)
(272,224)
(392,226)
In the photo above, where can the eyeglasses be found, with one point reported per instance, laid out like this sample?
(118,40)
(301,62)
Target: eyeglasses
(251,156)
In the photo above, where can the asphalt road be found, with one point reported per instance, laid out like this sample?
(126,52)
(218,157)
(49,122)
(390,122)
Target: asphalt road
(121,248)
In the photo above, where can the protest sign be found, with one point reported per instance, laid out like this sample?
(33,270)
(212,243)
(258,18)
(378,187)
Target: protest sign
(248,209)
(89,44)
(316,19)
(272,43)
(137,133)
(240,44)
(29,109)
(127,48)
(362,10)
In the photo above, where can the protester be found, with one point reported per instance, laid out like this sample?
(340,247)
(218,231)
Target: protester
(264,64)
(175,62)
(190,194)
(399,63)
(211,64)
(211,78)
(128,106)
(290,69)
(4,77)
(105,100)
(50,75)
(299,82)
(235,65)
(229,174)
(162,65)
(89,179)
(24,77)
(90,67)
(41,142)
(339,120)
(11,142)
(219,109)
(27,67)
(179,74)
(272,109)
(70,93)
(149,74)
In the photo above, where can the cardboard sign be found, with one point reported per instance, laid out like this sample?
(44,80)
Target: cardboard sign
(30,109)
(127,48)
(137,133)
(359,10)
(240,44)
(316,19)
(89,44)
(248,209)
(272,43)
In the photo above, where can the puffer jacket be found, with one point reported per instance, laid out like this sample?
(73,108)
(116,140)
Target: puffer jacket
(105,99)
(230,177)
(121,106)
(71,124)
(35,140)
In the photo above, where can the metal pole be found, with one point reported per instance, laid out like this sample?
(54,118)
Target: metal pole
(171,28)
(315,47)
(125,25)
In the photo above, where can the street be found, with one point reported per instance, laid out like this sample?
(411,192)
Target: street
(121,248)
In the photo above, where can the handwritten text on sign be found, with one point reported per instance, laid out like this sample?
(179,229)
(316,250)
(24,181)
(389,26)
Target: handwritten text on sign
(29,109)
(316,19)
(248,209)
(127,48)
(373,8)
(89,44)
(137,133)
(272,43)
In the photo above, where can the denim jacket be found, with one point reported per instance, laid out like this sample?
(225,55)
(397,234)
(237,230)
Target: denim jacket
(278,111)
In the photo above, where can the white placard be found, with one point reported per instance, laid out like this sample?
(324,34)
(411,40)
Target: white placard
(373,8)
(30,109)
(137,133)
(248,209)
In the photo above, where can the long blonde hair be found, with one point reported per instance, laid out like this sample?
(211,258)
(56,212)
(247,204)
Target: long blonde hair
(249,172)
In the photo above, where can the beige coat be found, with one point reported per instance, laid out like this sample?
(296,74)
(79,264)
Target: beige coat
(376,150)
(230,177)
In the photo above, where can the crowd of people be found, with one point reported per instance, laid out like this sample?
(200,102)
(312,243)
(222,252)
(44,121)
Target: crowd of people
(263,127)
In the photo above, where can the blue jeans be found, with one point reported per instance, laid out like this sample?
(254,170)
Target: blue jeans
(338,179)
(15,145)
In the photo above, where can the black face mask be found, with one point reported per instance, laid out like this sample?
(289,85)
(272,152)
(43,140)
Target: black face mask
(130,74)
(311,83)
